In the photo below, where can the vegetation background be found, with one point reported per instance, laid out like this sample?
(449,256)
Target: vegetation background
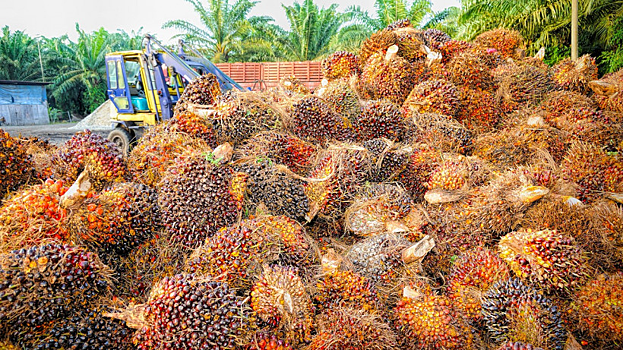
(228,33)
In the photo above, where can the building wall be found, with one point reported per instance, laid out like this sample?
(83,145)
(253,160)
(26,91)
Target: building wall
(23,104)
(24,114)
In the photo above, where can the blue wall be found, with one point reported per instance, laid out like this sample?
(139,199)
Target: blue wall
(22,94)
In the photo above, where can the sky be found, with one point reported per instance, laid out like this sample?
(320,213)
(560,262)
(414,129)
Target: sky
(52,18)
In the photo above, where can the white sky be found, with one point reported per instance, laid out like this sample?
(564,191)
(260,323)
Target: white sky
(53,18)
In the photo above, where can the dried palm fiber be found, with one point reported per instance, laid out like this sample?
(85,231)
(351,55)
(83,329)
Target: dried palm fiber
(157,150)
(435,38)
(272,190)
(87,150)
(608,219)
(517,345)
(339,173)
(509,43)
(547,259)
(33,216)
(471,275)
(381,119)
(598,308)
(478,110)
(388,159)
(440,132)
(340,64)
(520,84)
(389,76)
(292,86)
(575,75)
(192,123)
(466,68)
(188,312)
(433,96)
(45,282)
(351,328)
(282,304)
(609,91)
(202,91)
(423,160)
(314,120)
(281,148)
(556,103)
(116,220)
(593,171)
(199,194)
(40,153)
(235,254)
(342,98)
(490,57)
(429,321)
(513,311)
(240,115)
(379,208)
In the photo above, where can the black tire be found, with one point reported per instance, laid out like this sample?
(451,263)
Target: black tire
(122,138)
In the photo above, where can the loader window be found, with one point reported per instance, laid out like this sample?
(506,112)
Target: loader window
(112,75)
(121,81)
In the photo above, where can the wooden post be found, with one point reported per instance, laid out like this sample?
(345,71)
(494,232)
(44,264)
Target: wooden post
(574,29)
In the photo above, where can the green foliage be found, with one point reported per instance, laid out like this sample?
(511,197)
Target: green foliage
(19,56)
(556,54)
(612,59)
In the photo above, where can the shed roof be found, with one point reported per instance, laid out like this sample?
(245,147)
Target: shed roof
(19,82)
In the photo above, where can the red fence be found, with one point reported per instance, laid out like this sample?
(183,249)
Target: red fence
(268,74)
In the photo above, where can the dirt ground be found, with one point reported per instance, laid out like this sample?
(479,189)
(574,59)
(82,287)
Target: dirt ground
(55,133)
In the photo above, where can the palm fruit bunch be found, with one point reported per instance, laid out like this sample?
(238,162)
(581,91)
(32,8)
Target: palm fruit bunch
(429,321)
(517,345)
(588,125)
(609,221)
(293,86)
(312,119)
(452,48)
(202,91)
(388,159)
(599,307)
(280,301)
(520,84)
(434,96)
(471,275)
(83,329)
(336,178)
(509,43)
(86,150)
(478,110)
(377,42)
(592,170)
(157,150)
(263,340)
(546,258)
(346,289)
(467,69)
(16,166)
(389,76)
(351,328)
(191,123)
(282,148)
(451,174)
(270,188)
(607,91)
(189,312)
(118,219)
(421,164)
(381,118)
(379,258)
(198,195)
(340,64)
(556,103)
(513,311)
(410,43)
(441,133)
(575,75)
(43,283)
(33,215)
(339,95)
(240,115)
(40,153)
(435,38)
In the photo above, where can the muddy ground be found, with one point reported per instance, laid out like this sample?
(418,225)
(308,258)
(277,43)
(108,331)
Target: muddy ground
(55,133)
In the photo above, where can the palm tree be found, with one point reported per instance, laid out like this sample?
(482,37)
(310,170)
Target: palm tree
(19,56)
(225,25)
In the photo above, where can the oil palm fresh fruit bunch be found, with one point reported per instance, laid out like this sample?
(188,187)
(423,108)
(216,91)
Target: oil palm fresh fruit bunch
(377,42)
(192,124)
(389,159)
(312,119)
(509,43)
(452,48)
(266,340)
(420,166)
(441,133)
(467,69)
(40,152)
(608,91)
(17,166)
(434,96)
(520,84)
(346,289)
(340,64)
(343,98)
(556,103)
(478,110)
(202,91)
(575,75)
(381,119)
(435,38)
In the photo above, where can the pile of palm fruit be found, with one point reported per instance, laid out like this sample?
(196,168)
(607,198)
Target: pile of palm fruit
(430,194)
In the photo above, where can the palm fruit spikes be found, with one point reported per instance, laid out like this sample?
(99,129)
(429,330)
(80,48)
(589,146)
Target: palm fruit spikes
(191,123)
(377,42)
(381,119)
(466,68)
(435,38)
(33,216)
(441,133)
(434,96)
(100,157)
(340,64)
(202,91)
(346,289)
(15,164)
(188,312)
(312,119)
(509,43)
(282,148)
(608,91)
(478,110)
(430,322)
(471,275)
(68,276)
(279,299)
(556,103)
(599,307)
(513,311)
(344,328)
(520,84)
(198,195)
(339,95)
(575,75)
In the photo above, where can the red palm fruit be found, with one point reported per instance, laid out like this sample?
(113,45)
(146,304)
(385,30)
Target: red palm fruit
(340,64)
(508,43)
(598,306)
(346,289)
(575,75)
